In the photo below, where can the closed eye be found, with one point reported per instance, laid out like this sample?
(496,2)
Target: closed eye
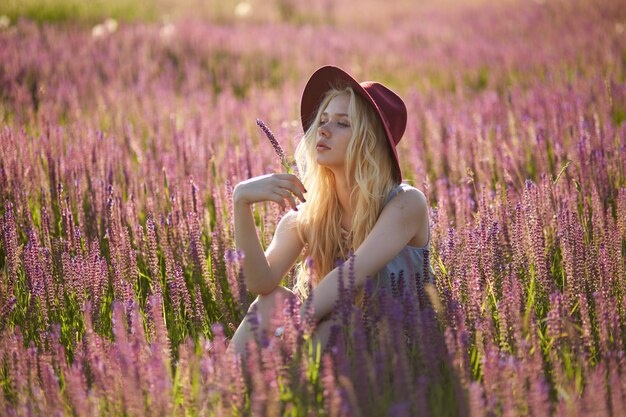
(340,123)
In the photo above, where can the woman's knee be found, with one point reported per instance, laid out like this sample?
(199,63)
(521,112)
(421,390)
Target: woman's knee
(278,294)
(266,304)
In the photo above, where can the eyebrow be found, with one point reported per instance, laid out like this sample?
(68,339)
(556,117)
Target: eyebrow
(336,114)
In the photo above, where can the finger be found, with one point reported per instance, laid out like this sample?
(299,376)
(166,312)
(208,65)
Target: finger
(293,189)
(292,202)
(283,176)
(277,198)
(280,200)
(293,179)
(285,194)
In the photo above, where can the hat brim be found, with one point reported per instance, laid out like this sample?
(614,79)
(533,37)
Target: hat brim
(323,80)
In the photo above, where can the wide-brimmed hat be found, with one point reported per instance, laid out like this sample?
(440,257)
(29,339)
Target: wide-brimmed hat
(387,104)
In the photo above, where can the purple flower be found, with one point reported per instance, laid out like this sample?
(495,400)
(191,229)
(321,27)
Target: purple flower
(275,144)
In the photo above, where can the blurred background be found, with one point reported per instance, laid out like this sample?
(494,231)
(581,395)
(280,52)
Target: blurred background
(443,46)
(365,13)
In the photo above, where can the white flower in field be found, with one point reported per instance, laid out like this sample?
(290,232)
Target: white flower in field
(243,9)
(110,25)
(102,29)
(619,28)
(5,22)
(98,31)
(166,31)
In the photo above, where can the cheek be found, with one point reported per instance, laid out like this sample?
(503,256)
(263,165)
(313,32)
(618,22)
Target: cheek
(345,140)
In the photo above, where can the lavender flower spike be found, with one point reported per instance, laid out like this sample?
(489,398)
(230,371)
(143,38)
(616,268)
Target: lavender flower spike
(275,144)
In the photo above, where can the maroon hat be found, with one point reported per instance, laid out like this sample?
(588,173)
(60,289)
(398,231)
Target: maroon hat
(389,107)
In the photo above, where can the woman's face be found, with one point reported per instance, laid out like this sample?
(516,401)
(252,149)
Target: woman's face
(334,132)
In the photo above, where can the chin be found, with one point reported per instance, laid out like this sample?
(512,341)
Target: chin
(324,163)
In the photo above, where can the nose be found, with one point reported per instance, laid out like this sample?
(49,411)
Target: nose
(322,130)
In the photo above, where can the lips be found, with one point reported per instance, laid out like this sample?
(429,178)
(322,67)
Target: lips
(322,146)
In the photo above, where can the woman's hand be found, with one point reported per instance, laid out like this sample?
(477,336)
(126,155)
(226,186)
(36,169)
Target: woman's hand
(279,188)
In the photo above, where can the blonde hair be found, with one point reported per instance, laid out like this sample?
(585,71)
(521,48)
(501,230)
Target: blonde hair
(371,174)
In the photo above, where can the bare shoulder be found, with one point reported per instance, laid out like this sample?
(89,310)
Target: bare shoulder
(289,220)
(411,199)
(288,228)
(410,209)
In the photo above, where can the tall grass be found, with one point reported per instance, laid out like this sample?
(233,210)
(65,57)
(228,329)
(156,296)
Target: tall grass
(120,286)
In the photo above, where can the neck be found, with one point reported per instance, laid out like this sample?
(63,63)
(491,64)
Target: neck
(343,190)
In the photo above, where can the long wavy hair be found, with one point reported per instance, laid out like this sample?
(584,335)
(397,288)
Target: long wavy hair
(371,174)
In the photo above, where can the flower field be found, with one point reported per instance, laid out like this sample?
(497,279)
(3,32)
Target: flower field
(121,142)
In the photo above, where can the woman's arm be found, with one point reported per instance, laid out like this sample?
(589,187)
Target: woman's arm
(255,265)
(264,271)
(399,221)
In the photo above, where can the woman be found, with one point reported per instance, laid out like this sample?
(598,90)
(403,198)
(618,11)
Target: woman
(355,203)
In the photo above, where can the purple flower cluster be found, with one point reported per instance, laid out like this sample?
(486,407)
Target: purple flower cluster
(277,148)
(119,282)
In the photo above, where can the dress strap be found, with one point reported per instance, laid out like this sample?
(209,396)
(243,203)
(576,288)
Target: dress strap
(393,193)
